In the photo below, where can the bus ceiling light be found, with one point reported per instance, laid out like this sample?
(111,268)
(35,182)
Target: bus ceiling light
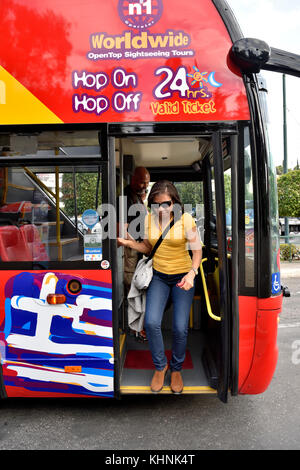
(250,54)
(55,299)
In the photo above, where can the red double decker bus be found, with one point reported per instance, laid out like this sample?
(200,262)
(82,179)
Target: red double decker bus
(89,91)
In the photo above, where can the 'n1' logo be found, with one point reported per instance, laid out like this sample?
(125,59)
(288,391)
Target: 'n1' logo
(140,14)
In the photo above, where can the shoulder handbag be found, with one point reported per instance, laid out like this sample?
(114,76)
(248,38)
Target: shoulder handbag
(143,272)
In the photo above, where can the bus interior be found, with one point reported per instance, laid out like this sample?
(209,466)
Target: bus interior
(48,180)
(183,160)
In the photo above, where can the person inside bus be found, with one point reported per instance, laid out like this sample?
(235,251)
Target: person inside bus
(135,195)
(174,272)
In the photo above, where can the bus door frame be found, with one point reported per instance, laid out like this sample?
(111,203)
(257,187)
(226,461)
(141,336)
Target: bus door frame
(107,146)
(225,298)
(109,132)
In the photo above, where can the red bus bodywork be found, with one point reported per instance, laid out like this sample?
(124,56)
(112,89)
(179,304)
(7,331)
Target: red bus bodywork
(59,53)
(72,62)
(258,351)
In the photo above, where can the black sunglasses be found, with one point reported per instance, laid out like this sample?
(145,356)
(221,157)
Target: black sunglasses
(163,205)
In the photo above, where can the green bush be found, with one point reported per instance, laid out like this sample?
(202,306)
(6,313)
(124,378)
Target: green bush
(289,194)
(287,251)
(86,185)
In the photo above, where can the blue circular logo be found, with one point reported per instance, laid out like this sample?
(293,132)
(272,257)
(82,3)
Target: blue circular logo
(90,217)
(140,14)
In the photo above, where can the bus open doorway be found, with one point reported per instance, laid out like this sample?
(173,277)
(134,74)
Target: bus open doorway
(197,165)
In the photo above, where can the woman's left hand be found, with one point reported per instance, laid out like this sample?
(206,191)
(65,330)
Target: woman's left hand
(187,282)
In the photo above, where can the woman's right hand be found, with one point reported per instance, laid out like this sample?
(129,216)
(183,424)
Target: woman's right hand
(123,242)
(187,282)
(142,247)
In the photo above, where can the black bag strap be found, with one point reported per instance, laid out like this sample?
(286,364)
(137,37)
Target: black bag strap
(161,238)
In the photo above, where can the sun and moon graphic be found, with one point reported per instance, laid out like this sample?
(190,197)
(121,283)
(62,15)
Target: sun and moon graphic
(203,77)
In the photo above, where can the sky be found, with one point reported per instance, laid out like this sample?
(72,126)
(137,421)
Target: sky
(276,22)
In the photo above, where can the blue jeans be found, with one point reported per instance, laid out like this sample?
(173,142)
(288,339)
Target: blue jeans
(158,293)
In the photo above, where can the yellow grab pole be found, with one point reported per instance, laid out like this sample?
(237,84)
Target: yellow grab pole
(212,315)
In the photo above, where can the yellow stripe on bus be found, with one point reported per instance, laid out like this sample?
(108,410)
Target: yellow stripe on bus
(19,106)
(130,389)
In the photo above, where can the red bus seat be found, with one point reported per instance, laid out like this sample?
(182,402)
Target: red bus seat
(12,245)
(36,247)
(17,207)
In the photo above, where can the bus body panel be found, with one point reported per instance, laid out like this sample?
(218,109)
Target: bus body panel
(258,351)
(106,62)
(56,350)
(116,61)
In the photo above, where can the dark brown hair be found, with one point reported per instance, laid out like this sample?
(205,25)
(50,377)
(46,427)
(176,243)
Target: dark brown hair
(162,187)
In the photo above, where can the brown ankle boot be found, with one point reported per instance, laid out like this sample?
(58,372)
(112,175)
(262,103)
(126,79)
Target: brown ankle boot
(176,382)
(158,380)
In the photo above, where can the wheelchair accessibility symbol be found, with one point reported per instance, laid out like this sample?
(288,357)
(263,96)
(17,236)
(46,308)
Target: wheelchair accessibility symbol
(276,286)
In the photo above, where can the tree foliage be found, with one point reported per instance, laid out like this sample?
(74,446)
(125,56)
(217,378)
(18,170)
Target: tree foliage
(289,194)
(86,186)
(227,189)
(190,192)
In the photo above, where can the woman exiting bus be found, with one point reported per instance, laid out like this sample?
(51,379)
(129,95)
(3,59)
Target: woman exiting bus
(173,275)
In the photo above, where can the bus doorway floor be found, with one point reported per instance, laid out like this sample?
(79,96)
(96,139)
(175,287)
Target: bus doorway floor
(138,368)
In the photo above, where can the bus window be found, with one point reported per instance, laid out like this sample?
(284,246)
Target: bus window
(249,213)
(48,211)
(49,215)
(227,189)
(191,195)
(275,240)
(274,216)
(227,196)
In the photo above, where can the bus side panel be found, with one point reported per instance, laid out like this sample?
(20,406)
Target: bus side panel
(258,343)
(247,324)
(56,350)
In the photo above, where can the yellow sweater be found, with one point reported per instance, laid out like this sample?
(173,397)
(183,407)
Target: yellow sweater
(172,256)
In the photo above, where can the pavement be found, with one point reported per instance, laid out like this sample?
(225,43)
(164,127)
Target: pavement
(290,268)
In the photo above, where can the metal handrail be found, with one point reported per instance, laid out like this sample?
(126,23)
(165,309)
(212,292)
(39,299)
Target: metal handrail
(38,181)
(209,310)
